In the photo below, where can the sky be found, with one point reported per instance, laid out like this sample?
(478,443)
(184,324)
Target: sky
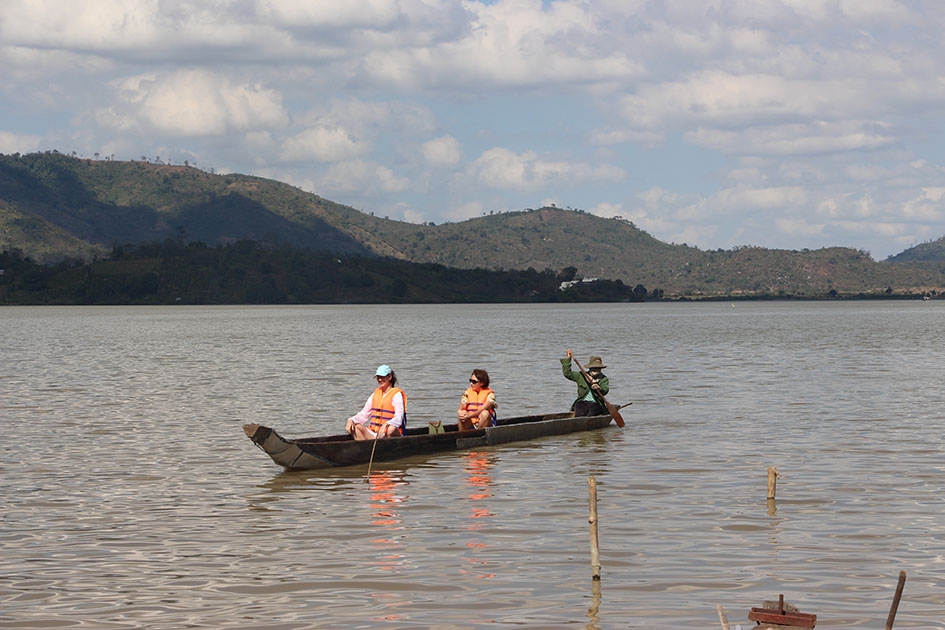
(789,124)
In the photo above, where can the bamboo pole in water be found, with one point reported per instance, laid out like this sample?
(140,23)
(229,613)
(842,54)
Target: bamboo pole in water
(895,604)
(723,618)
(592,519)
(773,477)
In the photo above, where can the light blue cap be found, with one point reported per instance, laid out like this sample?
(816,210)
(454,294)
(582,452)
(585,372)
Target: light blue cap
(383,370)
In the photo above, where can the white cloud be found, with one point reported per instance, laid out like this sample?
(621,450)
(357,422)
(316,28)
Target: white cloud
(605,137)
(655,210)
(468,210)
(365,178)
(134,29)
(758,199)
(411,216)
(19,143)
(934,193)
(739,215)
(713,97)
(442,151)
(798,227)
(507,44)
(502,168)
(694,235)
(260,142)
(346,128)
(324,144)
(749,176)
(929,206)
(881,12)
(522,43)
(808,139)
(376,14)
(366,24)
(192,103)
(87,24)
(608,210)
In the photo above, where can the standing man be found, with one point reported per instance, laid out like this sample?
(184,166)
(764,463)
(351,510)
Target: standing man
(586,403)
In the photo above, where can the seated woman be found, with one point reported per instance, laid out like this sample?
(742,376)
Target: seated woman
(385,412)
(477,406)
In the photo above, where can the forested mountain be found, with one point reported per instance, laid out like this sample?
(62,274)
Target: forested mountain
(931,254)
(55,207)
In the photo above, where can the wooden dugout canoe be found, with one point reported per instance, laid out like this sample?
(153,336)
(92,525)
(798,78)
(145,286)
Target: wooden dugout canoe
(342,450)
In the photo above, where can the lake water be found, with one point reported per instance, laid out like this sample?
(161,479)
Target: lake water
(132,499)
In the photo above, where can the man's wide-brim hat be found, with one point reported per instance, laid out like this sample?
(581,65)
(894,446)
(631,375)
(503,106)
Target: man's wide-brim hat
(595,362)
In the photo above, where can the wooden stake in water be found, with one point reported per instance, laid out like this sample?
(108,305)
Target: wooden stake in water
(773,477)
(895,604)
(592,519)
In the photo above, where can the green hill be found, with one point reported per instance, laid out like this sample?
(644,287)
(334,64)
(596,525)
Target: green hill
(55,207)
(931,254)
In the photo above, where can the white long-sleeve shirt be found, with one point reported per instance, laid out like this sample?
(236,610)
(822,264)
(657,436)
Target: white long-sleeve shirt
(363,417)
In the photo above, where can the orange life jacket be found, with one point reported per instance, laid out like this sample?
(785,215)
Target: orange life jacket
(475,401)
(382,409)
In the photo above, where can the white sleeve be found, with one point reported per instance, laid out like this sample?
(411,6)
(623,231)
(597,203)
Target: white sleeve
(398,402)
(364,416)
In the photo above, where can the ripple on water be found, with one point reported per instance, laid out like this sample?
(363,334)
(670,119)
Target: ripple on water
(132,498)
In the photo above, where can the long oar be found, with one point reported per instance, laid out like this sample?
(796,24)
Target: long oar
(371,461)
(599,396)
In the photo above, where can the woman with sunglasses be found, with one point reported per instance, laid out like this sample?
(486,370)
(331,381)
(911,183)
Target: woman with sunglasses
(477,406)
(385,412)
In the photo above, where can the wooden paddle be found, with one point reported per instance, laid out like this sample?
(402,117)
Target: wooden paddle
(599,396)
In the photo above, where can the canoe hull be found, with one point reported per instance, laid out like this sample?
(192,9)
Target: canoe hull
(341,450)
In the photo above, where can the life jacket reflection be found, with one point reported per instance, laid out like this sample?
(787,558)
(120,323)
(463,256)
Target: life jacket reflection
(478,468)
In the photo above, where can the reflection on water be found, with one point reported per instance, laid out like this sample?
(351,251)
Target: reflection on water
(593,611)
(384,503)
(477,467)
(386,496)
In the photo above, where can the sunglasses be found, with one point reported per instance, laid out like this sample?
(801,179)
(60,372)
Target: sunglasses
(381,378)
(473,381)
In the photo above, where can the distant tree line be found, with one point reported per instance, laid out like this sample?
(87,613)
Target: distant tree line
(248,272)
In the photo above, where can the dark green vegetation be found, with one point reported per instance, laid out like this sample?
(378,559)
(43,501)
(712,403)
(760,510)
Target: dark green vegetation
(174,272)
(60,211)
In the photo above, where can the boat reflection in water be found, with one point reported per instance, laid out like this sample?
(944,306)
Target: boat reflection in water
(385,497)
(478,467)
(384,514)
